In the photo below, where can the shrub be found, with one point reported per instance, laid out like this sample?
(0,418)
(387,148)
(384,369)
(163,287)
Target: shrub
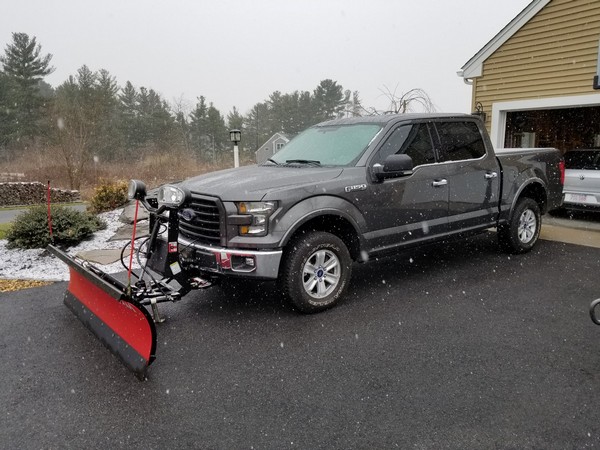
(69,227)
(108,196)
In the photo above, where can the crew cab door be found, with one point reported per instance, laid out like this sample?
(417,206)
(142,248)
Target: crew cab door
(411,207)
(473,175)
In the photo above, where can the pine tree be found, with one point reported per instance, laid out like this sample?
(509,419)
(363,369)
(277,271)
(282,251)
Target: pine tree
(330,100)
(23,63)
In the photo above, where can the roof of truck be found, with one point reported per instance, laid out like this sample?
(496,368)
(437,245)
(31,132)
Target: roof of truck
(387,118)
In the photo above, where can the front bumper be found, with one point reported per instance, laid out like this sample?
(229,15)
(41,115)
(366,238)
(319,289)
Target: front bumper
(259,264)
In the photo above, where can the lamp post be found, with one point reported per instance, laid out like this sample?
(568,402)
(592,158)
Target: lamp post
(96,160)
(235,136)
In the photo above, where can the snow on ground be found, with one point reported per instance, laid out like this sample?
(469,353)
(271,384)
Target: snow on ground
(37,264)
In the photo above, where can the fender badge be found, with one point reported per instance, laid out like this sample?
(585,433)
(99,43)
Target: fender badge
(356,187)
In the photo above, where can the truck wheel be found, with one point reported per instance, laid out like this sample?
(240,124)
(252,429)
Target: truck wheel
(316,271)
(521,233)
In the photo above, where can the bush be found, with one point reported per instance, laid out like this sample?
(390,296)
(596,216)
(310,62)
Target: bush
(69,227)
(108,196)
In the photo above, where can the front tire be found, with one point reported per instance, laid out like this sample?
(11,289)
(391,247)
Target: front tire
(521,233)
(316,271)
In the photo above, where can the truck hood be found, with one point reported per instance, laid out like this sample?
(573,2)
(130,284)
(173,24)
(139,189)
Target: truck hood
(253,182)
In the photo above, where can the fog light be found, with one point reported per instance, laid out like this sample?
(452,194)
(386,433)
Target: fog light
(243,263)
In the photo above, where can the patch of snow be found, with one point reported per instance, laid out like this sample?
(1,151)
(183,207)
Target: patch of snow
(37,264)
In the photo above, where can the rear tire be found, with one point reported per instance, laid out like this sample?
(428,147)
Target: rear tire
(522,231)
(316,271)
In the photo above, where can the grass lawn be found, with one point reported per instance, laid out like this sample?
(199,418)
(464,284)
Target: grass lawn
(37,204)
(3,229)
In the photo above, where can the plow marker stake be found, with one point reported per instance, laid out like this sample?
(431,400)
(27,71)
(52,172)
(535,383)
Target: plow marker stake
(100,302)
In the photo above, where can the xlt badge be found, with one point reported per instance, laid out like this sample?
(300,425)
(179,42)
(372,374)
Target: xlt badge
(356,187)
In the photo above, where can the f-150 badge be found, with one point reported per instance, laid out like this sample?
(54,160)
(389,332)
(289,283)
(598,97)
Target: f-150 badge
(356,187)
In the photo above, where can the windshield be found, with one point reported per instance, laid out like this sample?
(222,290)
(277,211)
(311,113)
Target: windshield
(339,145)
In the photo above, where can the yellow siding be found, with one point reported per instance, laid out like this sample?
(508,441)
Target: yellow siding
(554,54)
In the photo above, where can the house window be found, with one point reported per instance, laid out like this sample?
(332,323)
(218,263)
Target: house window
(279,146)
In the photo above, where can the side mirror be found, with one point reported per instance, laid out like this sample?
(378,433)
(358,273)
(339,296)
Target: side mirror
(394,166)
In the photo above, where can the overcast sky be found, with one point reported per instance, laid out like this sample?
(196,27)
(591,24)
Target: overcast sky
(236,52)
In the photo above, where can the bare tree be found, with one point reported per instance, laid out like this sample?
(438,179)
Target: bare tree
(182,108)
(414,100)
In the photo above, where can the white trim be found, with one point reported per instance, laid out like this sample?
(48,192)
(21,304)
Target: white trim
(499,110)
(474,67)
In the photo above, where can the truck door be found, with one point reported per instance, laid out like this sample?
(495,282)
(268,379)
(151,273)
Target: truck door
(408,208)
(473,175)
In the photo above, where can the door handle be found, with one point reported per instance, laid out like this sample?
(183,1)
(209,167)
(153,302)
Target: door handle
(438,183)
(491,175)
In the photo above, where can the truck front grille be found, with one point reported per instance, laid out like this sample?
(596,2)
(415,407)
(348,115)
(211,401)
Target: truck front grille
(200,221)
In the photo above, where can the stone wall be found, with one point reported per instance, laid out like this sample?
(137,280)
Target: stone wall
(12,194)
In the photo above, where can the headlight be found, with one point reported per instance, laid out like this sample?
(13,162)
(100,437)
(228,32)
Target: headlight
(260,212)
(171,196)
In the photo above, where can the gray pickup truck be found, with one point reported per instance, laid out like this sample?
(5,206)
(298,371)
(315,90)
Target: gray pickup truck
(348,190)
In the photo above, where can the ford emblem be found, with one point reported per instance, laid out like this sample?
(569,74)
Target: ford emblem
(187,214)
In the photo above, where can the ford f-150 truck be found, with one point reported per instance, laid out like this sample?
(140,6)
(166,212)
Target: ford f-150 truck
(350,189)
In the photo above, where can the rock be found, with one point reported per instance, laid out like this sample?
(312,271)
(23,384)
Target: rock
(17,193)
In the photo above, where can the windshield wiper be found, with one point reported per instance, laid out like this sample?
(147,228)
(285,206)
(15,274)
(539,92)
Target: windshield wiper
(309,162)
(273,161)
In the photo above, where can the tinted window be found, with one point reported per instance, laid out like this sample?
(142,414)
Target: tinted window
(460,140)
(412,140)
(583,160)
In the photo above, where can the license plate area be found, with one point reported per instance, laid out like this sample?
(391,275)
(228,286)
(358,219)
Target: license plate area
(580,198)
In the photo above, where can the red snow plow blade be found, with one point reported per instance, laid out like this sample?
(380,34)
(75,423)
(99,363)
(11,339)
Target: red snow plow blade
(101,302)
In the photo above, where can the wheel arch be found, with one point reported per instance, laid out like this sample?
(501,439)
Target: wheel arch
(329,214)
(534,189)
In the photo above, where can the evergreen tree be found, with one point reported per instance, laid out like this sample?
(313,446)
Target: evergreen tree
(129,123)
(24,63)
(329,99)
(8,115)
(217,129)
(200,140)
(109,141)
(235,121)
(257,126)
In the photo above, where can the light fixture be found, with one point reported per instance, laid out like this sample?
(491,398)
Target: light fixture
(235,136)
(479,112)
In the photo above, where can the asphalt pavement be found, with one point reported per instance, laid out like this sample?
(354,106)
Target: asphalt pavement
(8,215)
(458,346)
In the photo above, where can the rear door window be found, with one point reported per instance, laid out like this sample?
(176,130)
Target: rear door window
(460,141)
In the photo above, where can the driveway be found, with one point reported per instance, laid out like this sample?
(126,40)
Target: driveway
(452,347)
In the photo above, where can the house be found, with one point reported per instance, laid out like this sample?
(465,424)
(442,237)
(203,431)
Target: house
(272,146)
(535,80)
